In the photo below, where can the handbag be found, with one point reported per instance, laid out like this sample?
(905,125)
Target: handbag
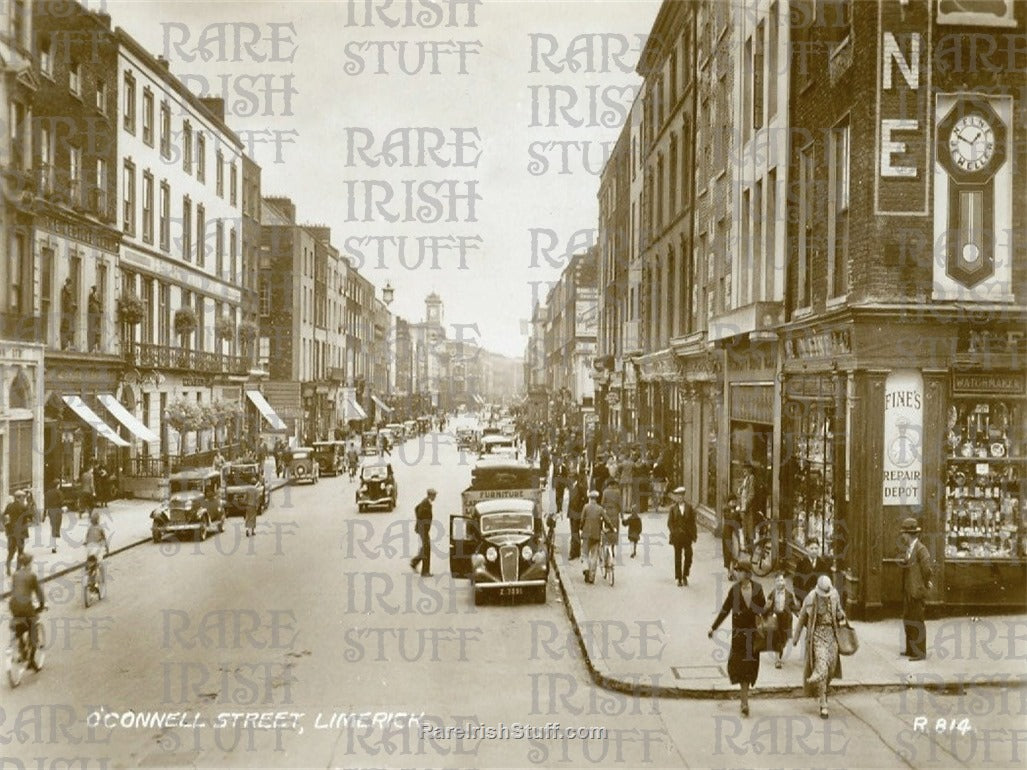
(759,638)
(848,642)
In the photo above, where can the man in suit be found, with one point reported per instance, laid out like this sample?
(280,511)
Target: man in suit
(422,526)
(917,574)
(683,533)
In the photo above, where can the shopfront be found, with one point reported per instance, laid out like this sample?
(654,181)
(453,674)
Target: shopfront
(21,418)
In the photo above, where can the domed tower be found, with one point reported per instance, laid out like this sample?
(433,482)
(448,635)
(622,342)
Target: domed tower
(433,311)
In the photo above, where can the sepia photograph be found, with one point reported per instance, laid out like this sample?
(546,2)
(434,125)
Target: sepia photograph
(513,384)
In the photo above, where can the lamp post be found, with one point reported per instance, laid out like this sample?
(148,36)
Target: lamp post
(388,294)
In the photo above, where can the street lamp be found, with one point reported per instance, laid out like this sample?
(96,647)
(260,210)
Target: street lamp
(388,293)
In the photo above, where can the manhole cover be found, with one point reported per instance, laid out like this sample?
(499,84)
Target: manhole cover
(697,672)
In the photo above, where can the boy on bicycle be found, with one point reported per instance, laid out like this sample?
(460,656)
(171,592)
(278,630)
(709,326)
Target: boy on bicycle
(24,584)
(592,516)
(96,538)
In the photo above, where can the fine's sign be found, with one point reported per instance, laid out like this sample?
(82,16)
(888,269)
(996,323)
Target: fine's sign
(903,465)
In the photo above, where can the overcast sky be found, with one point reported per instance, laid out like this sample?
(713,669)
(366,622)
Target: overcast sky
(310,93)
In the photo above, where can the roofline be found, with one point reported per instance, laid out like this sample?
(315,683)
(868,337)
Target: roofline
(165,74)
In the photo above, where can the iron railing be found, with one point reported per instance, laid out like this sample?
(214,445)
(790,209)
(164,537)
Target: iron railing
(146,354)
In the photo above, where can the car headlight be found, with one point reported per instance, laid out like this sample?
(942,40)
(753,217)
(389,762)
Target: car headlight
(526,552)
(491,553)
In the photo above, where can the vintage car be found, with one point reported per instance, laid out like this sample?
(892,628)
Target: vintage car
(195,504)
(498,445)
(466,439)
(501,548)
(377,487)
(301,465)
(331,457)
(245,488)
(410,428)
(369,443)
(397,430)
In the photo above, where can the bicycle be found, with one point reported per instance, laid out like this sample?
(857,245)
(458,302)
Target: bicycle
(763,556)
(94,581)
(20,649)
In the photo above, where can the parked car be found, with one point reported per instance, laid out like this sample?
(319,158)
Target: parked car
(195,504)
(377,487)
(465,439)
(369,443)
(330,456)
(501,548)
(498,445)
(245,488)
(302,465)
(410,428)
(398,431)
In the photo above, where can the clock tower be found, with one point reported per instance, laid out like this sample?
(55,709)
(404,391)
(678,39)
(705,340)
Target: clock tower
(433,315)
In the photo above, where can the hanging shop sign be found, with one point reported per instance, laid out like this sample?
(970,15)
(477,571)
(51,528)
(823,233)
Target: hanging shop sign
(903,435)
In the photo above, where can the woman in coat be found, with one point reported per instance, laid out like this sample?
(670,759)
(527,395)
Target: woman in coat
(781,603)
(820,615)
(746,603)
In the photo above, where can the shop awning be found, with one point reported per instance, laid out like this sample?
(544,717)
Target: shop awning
(79,407)
(479,399)
(126,418)
(353,409)
(265,410)
(381,404)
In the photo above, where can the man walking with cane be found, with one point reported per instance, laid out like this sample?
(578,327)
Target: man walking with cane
(422,526)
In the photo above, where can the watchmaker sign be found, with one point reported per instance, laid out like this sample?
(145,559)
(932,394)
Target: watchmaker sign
(903,466)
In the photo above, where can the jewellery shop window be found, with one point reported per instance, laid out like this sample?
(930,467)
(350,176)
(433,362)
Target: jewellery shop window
(986,483)
(811,468)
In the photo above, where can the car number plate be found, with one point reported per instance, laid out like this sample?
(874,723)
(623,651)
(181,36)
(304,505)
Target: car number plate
(515,591)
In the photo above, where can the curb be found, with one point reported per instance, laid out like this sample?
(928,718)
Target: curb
(277,484)
(640,689)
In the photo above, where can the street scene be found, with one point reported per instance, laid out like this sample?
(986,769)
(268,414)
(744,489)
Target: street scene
(513,384)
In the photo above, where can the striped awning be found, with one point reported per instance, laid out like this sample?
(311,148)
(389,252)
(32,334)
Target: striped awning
(126,418)
(381,404)
(265,409)
(353,409)
(88,416)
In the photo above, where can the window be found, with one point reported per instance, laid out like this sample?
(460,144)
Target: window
(757,78)
(806,196)
(146,328)
(165,129)
(187,147)
(186,341)
(18,144)
(219,249)
(100,188)
(19,281)
(74,78)
(147,207)
(772,62)
(148,116)
(232,185)
(219,174)
(201,236)
(46,288)
(770,224)
(232,247)
(187,229)
(264,293)
(839,201)
(129,108)
(45,58)
(46,151)
(18,23)
(75,174)
(101,96)
(672,191)
(128,208)
(165,216)
(163,314)
(745,250)
(747,83)
(201,324)
(201,157)
(755,279)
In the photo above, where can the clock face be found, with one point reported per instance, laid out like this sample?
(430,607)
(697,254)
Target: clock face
(972,142)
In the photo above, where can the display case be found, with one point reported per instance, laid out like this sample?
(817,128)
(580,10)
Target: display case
(986,479)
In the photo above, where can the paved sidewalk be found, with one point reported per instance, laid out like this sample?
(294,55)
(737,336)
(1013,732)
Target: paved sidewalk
(647,635)
(127,523)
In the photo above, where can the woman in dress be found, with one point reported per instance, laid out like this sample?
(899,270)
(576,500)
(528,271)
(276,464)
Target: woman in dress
(746,603)
(780,606)
(820,615)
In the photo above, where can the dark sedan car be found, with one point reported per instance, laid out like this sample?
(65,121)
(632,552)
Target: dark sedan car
(377,487)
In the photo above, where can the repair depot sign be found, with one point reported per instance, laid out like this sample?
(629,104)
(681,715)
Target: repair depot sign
(903,467)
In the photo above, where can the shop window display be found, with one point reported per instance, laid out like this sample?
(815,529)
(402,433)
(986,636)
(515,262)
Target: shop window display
(812,470)
(986,483)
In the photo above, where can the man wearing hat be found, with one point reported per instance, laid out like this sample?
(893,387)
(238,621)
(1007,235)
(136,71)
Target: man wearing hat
(683,533)
(592,533)
(422,526)
(16,526)
(917,574)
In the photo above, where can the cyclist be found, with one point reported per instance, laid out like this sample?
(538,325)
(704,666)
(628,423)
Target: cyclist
(612,508)
(24,584)
(591,533)
(96,538)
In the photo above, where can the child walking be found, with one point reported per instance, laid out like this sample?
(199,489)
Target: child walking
(634,531)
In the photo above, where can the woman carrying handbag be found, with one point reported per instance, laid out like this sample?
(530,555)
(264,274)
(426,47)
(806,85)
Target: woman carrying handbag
(746,604)
(821,615)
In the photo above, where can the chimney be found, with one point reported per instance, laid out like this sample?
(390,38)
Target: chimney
(104,18)
(163,63)
(215,106)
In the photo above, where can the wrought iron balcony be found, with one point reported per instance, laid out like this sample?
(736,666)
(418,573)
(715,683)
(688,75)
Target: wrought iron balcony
(145,354)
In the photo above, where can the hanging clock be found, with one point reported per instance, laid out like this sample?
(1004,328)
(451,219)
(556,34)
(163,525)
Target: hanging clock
(971,147)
